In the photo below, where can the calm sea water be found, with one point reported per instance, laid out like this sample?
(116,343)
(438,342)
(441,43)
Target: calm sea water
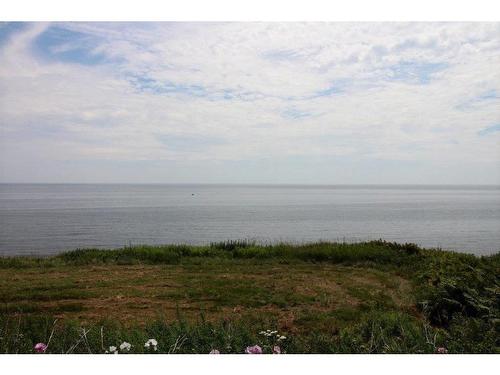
(49,218)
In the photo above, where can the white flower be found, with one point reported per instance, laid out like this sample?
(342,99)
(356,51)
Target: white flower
(151,343)
(125,346)
(112,349)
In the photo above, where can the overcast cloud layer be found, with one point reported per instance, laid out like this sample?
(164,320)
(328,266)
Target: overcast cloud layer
(332,103)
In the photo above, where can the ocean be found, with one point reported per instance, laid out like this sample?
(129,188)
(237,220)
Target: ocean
(43,219)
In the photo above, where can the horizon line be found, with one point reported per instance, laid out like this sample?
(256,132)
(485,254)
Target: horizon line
(245,183)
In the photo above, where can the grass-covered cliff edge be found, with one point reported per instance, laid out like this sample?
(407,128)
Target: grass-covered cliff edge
(370,297)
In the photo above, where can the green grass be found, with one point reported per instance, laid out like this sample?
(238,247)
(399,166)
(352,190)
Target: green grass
(370,297)
(379,252)
(395,333)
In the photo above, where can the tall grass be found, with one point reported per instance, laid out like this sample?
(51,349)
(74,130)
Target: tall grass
(373,251)
(378,332)
(375,332)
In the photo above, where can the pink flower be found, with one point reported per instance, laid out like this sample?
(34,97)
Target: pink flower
(276,349)
(442,350)
(256,349)
(40,347)
(214,351)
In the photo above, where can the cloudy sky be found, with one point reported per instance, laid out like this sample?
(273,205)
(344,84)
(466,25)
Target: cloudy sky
(335,103)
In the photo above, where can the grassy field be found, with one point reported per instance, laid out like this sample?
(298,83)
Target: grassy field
(372,297)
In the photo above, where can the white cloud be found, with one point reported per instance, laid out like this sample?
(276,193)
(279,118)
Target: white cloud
(400,92)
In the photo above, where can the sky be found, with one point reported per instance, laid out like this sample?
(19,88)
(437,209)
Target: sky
(298,103)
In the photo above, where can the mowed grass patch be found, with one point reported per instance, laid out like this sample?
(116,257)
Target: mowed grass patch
(138,293)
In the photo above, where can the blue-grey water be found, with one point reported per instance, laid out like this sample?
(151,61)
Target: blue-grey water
(50,218)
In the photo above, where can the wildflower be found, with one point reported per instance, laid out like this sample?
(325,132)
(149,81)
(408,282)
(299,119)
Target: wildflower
(125,346)
(280,338)
(151,343)
(214,351)
(112,349)
(276,349)
(40,347)
(442,350)
(256,349)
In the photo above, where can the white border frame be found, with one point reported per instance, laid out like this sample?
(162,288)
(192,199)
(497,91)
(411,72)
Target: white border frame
(250,10)
(371,364)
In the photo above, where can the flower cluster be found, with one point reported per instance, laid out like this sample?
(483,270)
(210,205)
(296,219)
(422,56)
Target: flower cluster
(40,347)
(151,344)
(256,349)
(112,350)
(124,347)
(274,340)
(442,350)
(274,334)
(272,346)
